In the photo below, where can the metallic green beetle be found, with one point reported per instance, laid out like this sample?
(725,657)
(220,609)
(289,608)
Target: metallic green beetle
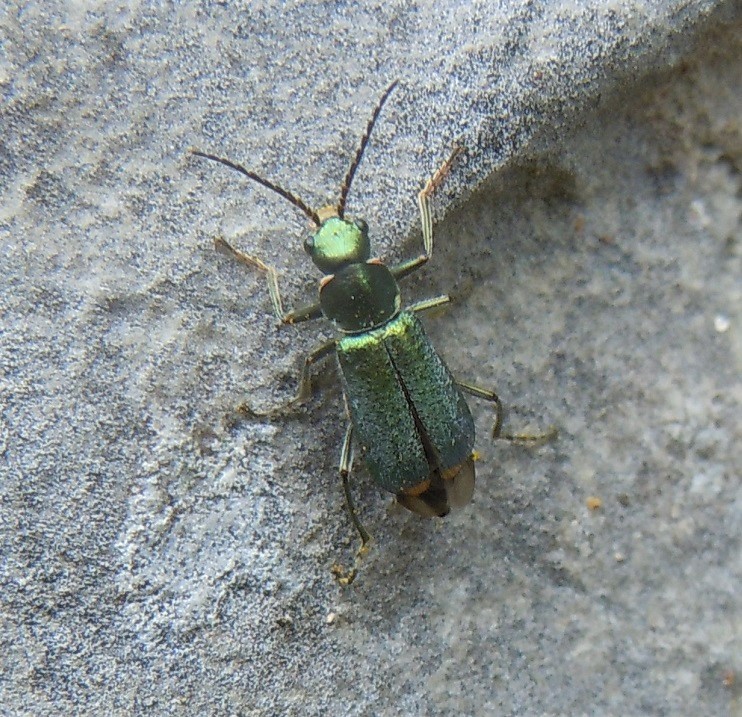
(407,413)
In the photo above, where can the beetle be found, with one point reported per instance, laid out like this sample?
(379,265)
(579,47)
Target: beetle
(407,413)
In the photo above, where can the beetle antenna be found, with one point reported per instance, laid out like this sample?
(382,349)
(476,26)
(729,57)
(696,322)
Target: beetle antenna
(357,160)
(267,184)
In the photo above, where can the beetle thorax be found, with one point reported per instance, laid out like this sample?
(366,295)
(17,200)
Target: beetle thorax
(357,293)
(360,297)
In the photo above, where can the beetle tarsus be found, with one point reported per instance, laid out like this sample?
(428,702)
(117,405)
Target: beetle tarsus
(346,577)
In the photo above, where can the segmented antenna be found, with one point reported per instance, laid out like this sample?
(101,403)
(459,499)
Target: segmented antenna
(268,185)
(357,160)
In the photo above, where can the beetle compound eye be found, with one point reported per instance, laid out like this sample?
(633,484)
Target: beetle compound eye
(309,244)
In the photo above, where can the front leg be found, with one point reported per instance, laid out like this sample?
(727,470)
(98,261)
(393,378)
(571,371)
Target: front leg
(304,313)
(426,218)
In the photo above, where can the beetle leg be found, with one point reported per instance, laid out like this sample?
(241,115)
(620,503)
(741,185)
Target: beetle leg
(346,463)
(305,313)
(485,394)
(426,218)
(427,304)
(303,392)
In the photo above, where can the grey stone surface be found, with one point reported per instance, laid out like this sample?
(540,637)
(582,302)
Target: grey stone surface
(158,560)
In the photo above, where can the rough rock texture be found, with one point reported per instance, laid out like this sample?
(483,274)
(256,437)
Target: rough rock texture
(158,559)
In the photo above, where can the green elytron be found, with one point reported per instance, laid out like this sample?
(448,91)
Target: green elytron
(407,412)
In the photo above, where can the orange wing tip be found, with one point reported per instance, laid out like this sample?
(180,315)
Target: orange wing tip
(417,490)
(435,496)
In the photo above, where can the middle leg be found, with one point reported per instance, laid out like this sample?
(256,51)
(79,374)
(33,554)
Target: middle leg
(304,390)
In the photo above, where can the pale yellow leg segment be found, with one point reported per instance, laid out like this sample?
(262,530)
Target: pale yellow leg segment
(423,200)
(428,304)
(426,218)
(305,313)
